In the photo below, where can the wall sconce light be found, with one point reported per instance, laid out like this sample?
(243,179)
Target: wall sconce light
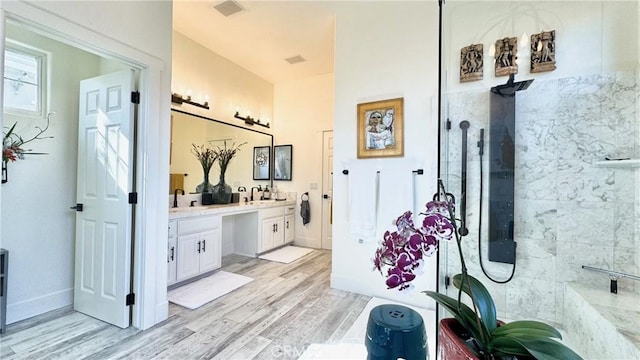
(179,99)
(249,120)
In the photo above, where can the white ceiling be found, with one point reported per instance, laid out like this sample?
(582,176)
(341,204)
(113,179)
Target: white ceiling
(262,36)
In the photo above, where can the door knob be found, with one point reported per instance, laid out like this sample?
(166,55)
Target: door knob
(325,196)
(78,207)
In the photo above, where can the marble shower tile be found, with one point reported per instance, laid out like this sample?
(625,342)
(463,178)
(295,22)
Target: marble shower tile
(624,225)
(537,219)
(573,255)
(531,298)
(586,222)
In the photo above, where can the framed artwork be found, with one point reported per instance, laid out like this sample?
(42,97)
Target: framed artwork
(380,129)
(261,157)
(283,156)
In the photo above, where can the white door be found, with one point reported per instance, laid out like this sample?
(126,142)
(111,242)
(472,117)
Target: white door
(327,188)
(103,224)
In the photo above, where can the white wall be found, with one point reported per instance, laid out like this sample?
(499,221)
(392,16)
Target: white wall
(303,110)
(383,50)
(227,85)
(141,37)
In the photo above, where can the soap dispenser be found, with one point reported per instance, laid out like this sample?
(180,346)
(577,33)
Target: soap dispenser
(266,194)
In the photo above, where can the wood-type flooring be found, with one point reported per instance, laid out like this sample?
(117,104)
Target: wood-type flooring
(276,316)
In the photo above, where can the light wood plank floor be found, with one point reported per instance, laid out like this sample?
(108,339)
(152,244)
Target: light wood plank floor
(276,316)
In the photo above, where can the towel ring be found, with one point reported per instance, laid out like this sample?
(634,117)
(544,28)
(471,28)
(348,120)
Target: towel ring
(303,195)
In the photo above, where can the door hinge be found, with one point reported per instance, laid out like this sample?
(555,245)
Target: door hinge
(447,282)
(131,299)
(135,97)
(448,124)
(133,198)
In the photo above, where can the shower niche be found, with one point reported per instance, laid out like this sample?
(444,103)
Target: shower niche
(502,247)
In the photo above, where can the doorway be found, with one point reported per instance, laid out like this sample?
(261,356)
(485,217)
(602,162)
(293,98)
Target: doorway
(40,231)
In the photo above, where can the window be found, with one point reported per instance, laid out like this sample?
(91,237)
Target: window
(24,80)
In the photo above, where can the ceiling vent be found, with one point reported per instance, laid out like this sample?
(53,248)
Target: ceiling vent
(228,7)
(295,59)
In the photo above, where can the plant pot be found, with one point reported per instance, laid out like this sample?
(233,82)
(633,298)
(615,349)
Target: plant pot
(222,192)
(205,186)
(452,345)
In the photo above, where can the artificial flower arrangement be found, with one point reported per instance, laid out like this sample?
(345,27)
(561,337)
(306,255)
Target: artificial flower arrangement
(225,155)
(400,257)
(206,156)
(13,143)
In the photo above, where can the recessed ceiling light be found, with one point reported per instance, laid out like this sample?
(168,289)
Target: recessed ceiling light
(228,7)
(295,59)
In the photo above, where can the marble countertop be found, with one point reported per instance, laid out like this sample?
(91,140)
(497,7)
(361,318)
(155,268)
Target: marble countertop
(226,209)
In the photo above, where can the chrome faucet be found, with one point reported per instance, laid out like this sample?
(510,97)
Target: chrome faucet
(175,197)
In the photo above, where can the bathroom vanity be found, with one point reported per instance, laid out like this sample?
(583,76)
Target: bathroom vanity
(200,235)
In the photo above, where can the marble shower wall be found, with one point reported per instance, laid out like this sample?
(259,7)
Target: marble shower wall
(568,212)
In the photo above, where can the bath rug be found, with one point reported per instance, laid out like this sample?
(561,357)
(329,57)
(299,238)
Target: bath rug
(200,292)
(286,255)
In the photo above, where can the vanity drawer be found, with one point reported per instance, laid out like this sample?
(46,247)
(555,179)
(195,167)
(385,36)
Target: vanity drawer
(289,209)
(173,229)
(272,212)
(198,224)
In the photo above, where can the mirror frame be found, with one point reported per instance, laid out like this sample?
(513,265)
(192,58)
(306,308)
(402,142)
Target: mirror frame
(286,165)
(232,125)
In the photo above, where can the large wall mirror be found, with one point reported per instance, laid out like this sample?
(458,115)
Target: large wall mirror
(188,129)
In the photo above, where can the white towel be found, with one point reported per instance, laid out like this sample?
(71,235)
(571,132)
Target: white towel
(362,200)
(396,193)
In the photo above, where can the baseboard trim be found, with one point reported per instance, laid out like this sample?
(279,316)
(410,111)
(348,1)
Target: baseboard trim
(39,305)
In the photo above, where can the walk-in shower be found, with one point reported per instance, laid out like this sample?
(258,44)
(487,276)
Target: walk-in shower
(542,153)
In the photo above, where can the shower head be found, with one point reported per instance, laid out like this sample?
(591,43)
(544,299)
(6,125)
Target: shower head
(510,87)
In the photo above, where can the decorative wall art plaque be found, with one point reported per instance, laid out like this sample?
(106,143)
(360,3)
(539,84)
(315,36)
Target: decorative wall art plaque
(471,62)
(506,55)
(543,51)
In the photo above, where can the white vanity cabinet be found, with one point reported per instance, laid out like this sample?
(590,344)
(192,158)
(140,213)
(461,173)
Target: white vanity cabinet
(272,228)
(171,254)
(277,227)
(289,223)
(198,246)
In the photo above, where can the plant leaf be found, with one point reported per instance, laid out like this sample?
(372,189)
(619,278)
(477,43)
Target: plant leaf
(525,327)
(465,315)
(546,349)
(482,299)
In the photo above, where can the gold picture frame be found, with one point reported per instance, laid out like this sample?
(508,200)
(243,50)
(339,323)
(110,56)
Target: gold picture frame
(381,129)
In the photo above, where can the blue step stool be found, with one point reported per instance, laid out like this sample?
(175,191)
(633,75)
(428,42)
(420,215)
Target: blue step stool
(395,331)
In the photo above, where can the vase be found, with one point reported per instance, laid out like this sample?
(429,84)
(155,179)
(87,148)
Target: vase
(221,192)
(205,186)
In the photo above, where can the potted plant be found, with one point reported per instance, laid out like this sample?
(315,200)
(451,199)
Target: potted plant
(474,332)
